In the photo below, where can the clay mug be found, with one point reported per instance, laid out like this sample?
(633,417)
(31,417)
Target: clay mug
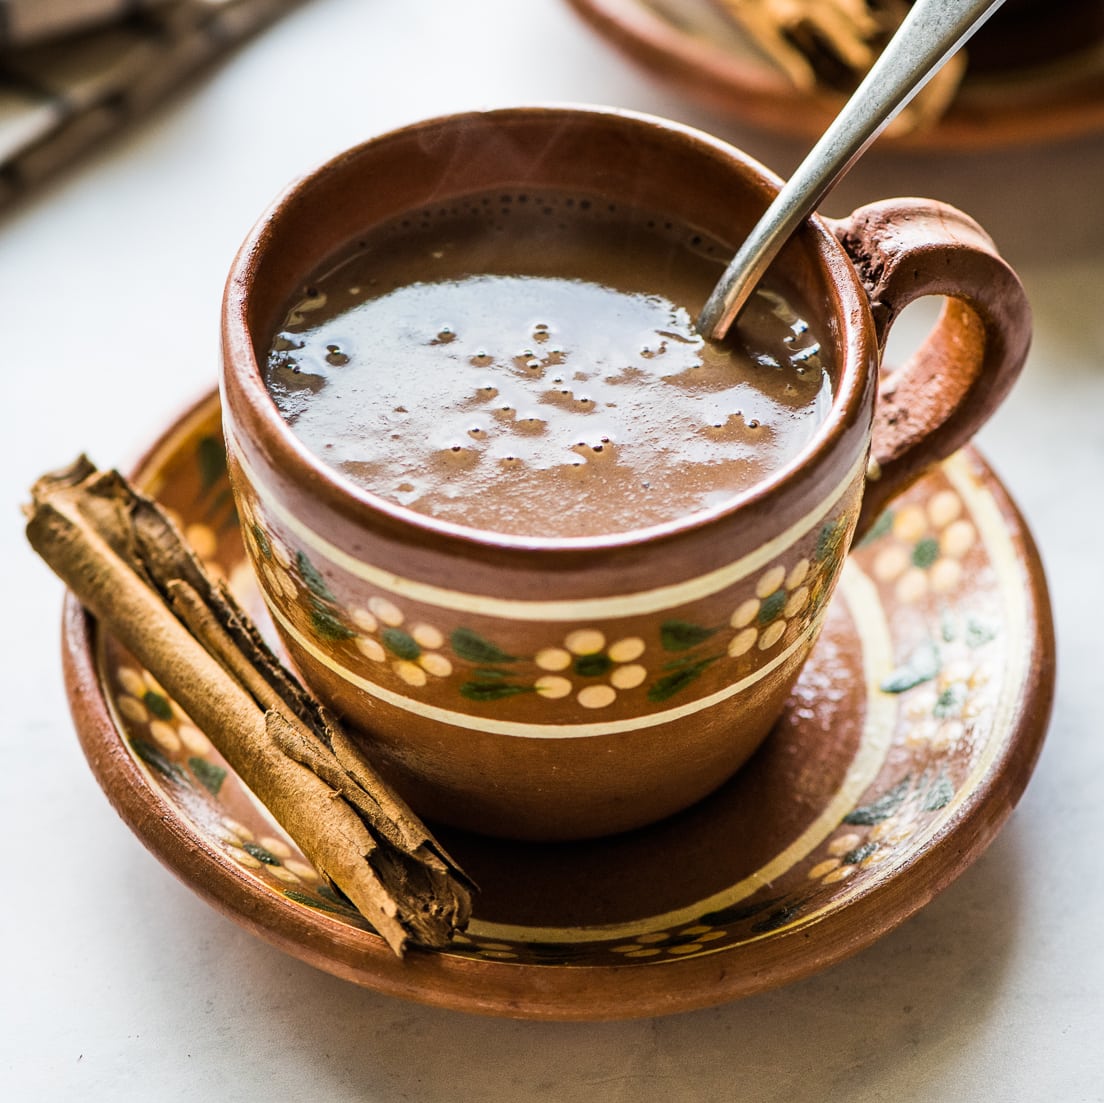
(551,689)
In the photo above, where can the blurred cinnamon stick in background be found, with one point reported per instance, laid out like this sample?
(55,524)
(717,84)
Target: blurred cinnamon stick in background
(828,46)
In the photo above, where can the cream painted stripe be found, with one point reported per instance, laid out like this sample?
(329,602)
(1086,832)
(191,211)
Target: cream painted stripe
(620,605)
(879,724)
(1002,554)
(537,731)
(994,534)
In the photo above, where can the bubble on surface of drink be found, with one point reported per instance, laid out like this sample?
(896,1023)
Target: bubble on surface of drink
(558,382)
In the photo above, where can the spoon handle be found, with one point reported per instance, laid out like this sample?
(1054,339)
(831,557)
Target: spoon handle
(932,31)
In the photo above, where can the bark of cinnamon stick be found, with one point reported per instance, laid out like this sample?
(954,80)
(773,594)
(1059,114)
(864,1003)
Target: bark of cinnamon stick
(128,565)
(828,45)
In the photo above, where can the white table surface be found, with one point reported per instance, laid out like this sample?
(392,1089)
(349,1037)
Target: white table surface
(119,983)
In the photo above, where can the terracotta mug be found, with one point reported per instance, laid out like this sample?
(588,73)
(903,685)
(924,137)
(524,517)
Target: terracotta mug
(545,689)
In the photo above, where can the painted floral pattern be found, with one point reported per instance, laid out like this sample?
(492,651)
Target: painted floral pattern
(922,546)
(602,669)
(924,558)
(413,651)
(166,729)
(173,749)
(585,664)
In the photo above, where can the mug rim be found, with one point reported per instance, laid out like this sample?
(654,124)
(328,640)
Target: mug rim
(241,371)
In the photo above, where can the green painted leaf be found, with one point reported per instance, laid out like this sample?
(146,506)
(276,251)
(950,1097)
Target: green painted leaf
(209,775)
(772,606)
(978,632)
(921,666)
(310,575)
(401,644)
(211,458)
(327,625)
(158,704)
(778,918)
(830,540)
(853,857)
(312,901)
(261,854)
(593,666)
(678,680)
(492,691)
(155,758)
(925,553)
(948,628)
(950,701)
(939,795)
(881,809)
(473,647)
(681,635)
(263,542)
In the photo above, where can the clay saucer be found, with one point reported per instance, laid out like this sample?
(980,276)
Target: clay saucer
(907,742)
(693,49)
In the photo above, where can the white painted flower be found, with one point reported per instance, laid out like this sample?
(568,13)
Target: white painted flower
(412,650)
(924,548)
(585,657)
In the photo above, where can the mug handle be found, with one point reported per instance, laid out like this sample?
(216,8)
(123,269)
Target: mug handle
(937,400)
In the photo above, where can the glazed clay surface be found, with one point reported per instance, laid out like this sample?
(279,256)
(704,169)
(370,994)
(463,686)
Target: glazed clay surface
(909,735)
(543,687)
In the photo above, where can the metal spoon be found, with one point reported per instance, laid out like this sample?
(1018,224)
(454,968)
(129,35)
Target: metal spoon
(931,32)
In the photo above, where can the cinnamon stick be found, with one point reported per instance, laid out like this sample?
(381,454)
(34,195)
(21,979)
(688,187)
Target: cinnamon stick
(828,46)
(129,566)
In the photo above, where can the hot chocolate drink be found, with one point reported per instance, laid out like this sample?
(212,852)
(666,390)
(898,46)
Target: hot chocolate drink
(528,364)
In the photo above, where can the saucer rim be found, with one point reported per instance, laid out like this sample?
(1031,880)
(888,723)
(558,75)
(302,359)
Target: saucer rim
(759,96)
(566,992)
